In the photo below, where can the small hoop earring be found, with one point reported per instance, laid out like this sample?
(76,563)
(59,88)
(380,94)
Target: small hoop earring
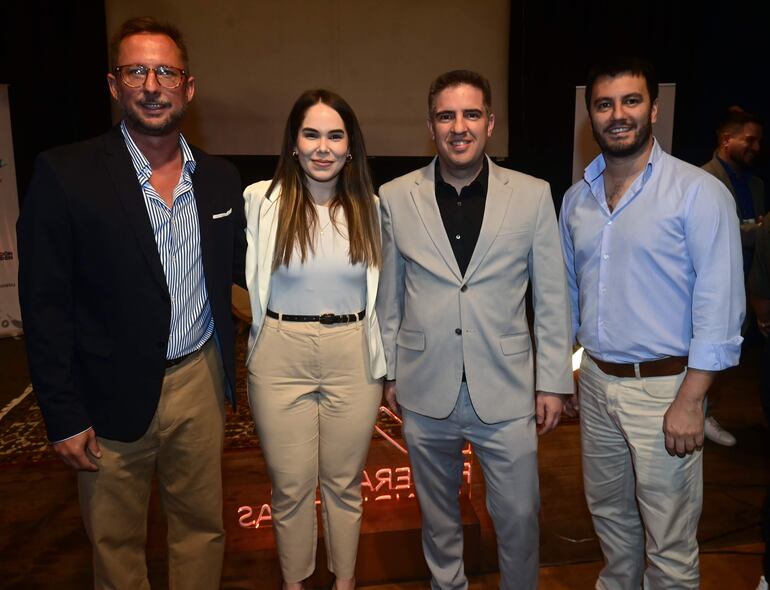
(349,157)
(294,154)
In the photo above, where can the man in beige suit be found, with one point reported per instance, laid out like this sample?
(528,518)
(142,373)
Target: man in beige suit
(462,239)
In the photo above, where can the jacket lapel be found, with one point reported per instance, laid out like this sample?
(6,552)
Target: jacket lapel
(495,208)
(121,170)
(424,197)
(722,175)
(205,193)
(268,216)
(372,272)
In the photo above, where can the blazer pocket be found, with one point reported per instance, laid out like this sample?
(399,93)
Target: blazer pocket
(507,232)
(223,214)
(515,343)
(411,340)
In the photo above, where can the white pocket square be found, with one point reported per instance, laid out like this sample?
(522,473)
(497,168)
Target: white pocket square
(221,215)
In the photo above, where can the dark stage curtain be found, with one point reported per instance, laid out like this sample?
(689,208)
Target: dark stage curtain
(716,56)
(54,55)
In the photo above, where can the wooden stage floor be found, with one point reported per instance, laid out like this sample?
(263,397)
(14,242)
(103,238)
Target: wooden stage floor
(42,543)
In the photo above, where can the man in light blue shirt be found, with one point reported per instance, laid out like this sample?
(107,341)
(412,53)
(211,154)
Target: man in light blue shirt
(653,255)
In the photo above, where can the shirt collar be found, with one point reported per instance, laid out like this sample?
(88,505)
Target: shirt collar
(142,164)
(597,166)
(482,178)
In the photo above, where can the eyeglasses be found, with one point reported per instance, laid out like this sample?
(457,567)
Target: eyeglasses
(135,75)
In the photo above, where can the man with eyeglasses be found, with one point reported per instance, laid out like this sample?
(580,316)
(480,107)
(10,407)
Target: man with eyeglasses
(129,244)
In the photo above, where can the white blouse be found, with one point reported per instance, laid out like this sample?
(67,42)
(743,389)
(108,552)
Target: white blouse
(327,282)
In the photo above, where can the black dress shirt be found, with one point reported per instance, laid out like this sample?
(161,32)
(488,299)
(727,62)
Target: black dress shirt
(462,214)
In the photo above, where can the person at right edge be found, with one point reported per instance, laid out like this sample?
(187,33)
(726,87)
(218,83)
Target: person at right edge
(653,256)
(739,137)
(759,290)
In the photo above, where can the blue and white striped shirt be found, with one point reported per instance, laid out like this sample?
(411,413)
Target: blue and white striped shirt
(177,235)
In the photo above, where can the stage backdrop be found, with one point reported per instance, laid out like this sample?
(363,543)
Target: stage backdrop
(10,315)
(586,148)
(253,59)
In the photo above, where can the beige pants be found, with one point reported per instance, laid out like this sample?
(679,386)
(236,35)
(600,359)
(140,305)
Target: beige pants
(644,502)
(314,403)
(183,446)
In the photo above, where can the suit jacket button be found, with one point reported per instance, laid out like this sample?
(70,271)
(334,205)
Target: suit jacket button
(464,288)
(458,331)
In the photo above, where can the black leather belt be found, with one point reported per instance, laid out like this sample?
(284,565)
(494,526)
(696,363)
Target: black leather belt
(324,318)
(180,359)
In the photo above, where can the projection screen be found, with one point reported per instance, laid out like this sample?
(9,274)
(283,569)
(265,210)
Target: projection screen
(252,58)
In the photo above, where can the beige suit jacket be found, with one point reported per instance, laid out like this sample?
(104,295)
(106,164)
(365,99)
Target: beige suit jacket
(435,321)
(261,225)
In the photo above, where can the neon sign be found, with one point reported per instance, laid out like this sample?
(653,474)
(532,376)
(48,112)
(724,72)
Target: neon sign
(391,483)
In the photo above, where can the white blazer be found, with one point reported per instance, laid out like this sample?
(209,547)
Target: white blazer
(261,226)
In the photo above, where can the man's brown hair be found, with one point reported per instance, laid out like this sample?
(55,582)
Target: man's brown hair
(147,25)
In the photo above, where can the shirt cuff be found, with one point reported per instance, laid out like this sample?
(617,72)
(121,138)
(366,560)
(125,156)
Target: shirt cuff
(56,442)
(714,356)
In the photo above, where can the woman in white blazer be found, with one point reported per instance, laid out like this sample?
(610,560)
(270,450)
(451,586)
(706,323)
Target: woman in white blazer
(315,354)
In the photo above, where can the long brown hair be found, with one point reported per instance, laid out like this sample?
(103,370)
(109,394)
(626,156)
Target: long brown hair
(297,218)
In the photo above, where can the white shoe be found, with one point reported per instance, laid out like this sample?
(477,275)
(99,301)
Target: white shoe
(762,584)
(715,433)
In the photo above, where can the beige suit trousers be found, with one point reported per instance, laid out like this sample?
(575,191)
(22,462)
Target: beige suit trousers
(644,502)
(183,446)
(314,403)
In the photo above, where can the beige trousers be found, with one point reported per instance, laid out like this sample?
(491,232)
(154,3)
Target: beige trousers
(183,446)
(314,403)
(645,503)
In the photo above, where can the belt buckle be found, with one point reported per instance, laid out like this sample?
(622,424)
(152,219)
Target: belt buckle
(327,319)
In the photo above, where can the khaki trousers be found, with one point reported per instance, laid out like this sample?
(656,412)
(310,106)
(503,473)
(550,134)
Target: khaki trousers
(183,446)
(314,403)
(642,500)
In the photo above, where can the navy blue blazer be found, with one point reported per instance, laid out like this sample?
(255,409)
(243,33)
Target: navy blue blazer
(94,299)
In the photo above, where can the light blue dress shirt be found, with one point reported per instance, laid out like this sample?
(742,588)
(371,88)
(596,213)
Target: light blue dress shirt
(661,275)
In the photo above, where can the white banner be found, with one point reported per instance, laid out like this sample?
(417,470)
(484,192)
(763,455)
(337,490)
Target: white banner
(10,314)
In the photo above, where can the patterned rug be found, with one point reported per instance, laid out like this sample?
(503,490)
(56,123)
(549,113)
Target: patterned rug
(23,436)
